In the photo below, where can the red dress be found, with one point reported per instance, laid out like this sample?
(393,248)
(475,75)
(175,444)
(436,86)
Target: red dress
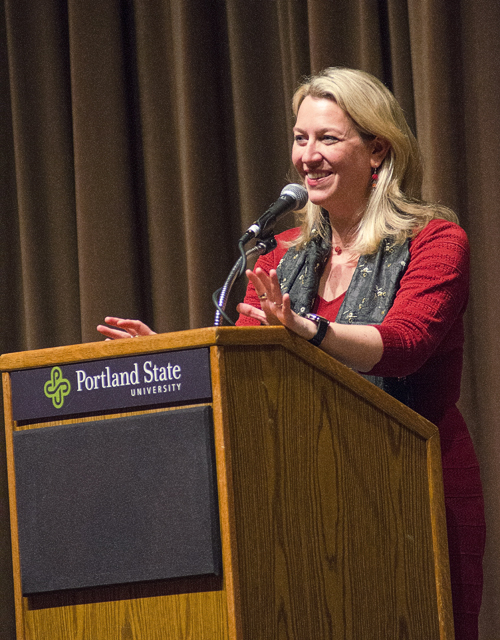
(423,338)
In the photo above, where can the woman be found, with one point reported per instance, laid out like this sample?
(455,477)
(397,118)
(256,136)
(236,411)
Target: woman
(379,280)
(389,275)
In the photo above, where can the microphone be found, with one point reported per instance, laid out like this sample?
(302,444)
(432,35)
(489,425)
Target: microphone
(292,197)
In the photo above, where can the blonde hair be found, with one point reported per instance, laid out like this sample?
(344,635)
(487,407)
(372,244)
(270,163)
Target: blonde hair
(394,208)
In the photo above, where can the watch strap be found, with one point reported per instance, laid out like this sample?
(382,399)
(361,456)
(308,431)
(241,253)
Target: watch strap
(322,324)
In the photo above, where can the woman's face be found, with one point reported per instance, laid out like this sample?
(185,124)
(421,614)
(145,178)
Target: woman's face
(334,161)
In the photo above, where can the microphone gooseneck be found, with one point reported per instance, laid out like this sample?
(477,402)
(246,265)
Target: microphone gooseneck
(292,197)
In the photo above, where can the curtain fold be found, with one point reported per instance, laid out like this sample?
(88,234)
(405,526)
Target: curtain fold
(105,189)
(140,139)
(43,164)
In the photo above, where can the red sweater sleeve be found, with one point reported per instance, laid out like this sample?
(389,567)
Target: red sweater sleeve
(430,302)
(266,263)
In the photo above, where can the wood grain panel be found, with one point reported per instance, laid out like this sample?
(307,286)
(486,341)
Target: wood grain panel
(439,537)
(11,475)
(174,617)
(332,521)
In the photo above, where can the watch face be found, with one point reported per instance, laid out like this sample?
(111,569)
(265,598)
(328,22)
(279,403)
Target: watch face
(314,317)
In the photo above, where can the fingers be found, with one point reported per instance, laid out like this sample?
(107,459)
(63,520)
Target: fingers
(267,287)
(134,327)
(252,312)
(125,328)
(112,334)
(276,306)
(269,292)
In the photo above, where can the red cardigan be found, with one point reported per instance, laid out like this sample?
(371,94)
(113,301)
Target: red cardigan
(423,332)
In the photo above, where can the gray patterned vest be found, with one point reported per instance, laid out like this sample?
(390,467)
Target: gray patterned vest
(370,295)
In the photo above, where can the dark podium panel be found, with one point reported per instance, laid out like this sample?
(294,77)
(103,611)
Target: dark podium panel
(117,501)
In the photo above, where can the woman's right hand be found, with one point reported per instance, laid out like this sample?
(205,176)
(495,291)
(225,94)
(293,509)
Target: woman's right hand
(124,328)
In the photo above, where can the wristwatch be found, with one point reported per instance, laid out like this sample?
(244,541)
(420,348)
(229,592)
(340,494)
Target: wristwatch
(322,324)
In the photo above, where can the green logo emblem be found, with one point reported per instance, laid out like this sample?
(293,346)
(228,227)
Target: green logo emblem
(57,387)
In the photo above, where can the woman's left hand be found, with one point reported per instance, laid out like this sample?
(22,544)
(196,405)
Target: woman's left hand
(358,346)
(276,308)
(123,328)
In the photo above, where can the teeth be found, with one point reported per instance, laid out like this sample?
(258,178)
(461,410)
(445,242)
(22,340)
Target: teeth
(315,176)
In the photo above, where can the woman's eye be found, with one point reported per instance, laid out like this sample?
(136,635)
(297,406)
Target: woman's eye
(299,139)
(330,139)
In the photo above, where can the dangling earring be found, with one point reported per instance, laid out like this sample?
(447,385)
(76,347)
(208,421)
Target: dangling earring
(374,177)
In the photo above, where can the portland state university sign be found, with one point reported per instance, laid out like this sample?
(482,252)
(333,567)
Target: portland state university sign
(102,385)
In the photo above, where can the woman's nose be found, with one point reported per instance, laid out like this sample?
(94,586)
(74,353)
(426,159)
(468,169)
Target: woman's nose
(310,153)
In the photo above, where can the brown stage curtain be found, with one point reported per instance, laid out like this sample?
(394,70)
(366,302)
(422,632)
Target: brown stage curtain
(140,138)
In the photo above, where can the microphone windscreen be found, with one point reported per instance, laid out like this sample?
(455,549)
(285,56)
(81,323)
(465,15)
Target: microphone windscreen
(298,192)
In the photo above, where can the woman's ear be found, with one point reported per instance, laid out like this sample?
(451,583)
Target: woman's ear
(379,149)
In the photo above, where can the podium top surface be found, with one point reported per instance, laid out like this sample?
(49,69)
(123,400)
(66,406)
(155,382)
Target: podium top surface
(222,337)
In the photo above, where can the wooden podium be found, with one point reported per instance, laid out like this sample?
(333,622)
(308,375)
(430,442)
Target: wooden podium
(330,502)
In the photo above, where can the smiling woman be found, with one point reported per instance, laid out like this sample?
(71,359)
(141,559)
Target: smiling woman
(379,280)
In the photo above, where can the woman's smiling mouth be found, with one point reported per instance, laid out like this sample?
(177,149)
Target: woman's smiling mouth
(316,176)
